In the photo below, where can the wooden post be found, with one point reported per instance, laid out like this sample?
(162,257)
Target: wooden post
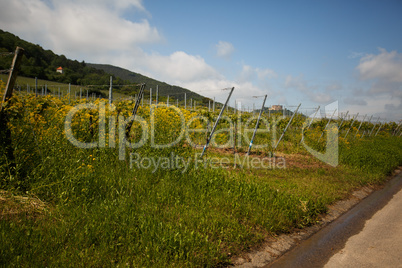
(15,66)
(157,89)
(111,91)
(5,133)
(36,87)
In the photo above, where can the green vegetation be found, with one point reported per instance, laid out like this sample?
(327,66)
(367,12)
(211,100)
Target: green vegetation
(67,206)
(41,63)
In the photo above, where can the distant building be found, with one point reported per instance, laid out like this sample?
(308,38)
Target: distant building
(276,108)
(59,70)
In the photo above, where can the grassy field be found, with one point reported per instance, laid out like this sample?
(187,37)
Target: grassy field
(68,206)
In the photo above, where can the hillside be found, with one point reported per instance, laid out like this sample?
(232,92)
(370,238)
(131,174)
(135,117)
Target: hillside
(41,63)
(164,89)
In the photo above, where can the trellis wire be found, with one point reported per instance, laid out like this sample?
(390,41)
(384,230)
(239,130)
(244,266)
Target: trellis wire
(5,71)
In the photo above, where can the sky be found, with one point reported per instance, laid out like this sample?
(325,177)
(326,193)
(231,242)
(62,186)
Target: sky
(309,52)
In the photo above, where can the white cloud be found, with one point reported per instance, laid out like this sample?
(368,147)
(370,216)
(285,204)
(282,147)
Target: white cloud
(249,73)
(355,101)
(312,92)
(382,76)
(97,31)
(382,106)
(224,49)
(266,73)
(180,67)
(385,66)
(333,87)
(213,88)
(296,82)
(320,97)
(78,28)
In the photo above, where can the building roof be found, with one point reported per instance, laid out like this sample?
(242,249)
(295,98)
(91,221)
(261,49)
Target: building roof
(60,68)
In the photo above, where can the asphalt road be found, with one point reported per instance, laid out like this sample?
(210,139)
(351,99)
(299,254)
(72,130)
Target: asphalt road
(368,235)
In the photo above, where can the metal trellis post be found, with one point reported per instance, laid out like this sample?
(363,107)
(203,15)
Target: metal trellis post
(216,123)
(286,128)
(327,124)
(351,125)
(256,125)
(311,121)
(360,125)
(365,130)
(371,132)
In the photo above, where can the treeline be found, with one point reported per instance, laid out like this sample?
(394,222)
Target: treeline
(41,63)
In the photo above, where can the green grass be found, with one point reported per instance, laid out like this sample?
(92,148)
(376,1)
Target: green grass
(97,211)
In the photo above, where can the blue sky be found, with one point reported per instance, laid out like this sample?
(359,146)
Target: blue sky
(309,52)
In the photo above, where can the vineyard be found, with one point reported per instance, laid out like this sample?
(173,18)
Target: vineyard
(91,185)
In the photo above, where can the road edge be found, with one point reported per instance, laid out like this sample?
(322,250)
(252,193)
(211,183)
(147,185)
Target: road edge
(275,247)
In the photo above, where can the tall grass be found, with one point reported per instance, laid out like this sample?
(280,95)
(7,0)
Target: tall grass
(101,212)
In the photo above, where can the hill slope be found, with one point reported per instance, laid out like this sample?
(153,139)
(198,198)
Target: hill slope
(164,89)
(41,63)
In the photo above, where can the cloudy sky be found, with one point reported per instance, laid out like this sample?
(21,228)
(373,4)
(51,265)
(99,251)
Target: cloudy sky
(309,52)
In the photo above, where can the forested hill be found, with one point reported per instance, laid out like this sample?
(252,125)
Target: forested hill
(41,63)
(173,91)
